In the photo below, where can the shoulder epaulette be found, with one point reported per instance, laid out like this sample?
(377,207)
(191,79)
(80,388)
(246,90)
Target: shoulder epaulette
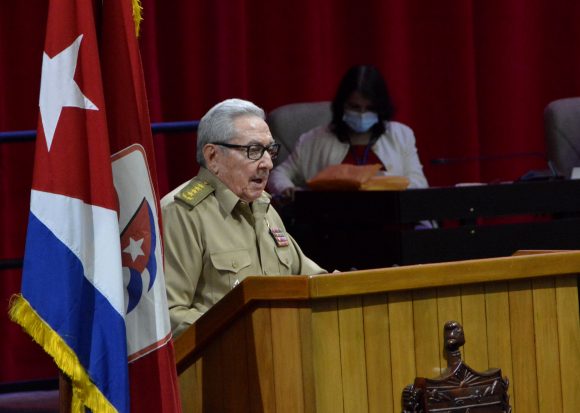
(194,192)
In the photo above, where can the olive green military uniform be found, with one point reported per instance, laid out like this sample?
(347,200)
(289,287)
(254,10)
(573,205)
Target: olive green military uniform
(213,240)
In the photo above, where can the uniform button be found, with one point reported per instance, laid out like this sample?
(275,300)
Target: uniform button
(234,264)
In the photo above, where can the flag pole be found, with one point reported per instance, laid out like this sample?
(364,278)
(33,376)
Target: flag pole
(64,393)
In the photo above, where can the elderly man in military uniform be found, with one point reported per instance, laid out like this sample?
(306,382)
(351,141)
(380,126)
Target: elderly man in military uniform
(220,227)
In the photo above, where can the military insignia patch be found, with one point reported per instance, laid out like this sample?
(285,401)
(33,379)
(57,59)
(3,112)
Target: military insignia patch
(194,192)
(279,237)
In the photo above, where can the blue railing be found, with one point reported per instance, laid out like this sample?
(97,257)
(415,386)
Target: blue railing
(161,127)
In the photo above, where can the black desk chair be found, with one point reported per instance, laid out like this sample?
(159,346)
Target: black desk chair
(562,134)
(290,121)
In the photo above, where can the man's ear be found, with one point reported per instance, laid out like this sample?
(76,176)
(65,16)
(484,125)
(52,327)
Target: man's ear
(211,155)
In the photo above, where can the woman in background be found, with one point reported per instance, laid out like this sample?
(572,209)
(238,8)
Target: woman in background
(361,132)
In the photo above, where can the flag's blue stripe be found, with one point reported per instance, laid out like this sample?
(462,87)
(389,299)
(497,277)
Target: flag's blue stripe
(55,285)
(152,264)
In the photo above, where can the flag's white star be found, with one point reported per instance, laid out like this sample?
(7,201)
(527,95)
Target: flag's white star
(58,88)
(134,248)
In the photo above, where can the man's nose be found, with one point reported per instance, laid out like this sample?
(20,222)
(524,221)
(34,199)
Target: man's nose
(266,161)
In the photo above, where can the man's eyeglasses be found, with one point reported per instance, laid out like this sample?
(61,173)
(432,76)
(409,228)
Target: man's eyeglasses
(255,151)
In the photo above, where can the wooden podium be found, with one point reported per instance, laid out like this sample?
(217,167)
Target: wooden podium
(351,342)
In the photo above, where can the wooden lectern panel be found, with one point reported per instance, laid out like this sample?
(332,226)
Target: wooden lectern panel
(569,340)
(522,334)
(352,353)
(287,352)
(425,319)
(261,375)
(325,356)
(351,342)
(378,350)
(473,315)
(400,318)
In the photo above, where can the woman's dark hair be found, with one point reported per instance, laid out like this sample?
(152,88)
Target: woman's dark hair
(368,81)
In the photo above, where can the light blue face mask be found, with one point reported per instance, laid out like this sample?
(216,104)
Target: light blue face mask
(360,122)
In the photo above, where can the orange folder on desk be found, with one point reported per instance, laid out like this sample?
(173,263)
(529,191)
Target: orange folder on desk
(346,177)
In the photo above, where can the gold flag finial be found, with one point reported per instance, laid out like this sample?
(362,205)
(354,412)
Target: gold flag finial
(137,15)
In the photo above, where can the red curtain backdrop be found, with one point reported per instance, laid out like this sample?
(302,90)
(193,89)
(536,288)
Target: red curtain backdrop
(471,78)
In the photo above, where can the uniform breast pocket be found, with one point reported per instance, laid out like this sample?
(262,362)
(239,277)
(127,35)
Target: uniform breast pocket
(230,263)
(284,260)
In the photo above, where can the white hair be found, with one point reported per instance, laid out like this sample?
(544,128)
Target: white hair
(217,125)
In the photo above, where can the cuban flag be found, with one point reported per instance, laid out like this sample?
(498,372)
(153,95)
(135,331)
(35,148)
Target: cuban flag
(93,291)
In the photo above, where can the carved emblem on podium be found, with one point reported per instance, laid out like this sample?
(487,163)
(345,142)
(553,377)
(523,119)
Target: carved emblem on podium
(459,389)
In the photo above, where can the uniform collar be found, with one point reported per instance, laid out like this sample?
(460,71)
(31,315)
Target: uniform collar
(225,197)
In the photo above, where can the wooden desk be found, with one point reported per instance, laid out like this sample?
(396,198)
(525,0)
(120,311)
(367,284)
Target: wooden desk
(342,230)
